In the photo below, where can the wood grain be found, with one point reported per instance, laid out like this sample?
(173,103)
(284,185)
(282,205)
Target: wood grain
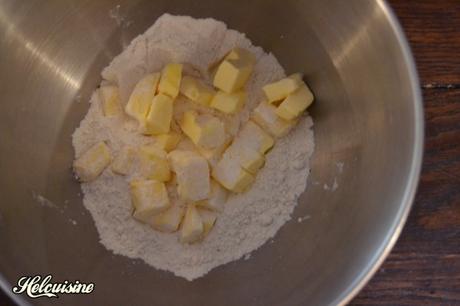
(432,28)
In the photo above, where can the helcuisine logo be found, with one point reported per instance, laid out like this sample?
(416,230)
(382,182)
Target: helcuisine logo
(38,286)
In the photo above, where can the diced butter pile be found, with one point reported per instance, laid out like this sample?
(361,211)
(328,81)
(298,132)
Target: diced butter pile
(181,179)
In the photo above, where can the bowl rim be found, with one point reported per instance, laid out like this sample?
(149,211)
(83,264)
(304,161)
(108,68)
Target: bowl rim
(415,168)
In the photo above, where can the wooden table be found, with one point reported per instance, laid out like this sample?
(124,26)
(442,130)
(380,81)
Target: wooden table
(424,267)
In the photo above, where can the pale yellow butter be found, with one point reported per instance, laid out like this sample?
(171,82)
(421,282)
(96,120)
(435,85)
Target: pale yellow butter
(229,103)
(217,198)
(279,90)
(169,220)
(185,144)
(158,120)
(154,163)
(265,116)
(124,161)
(204,130)
(231,175)
(254,137)
(213,155)
(241,53)
(91,163)
(110,98)
(192,173)
(152,151)
(149,198)
(209,219)
(192,226)
(234,71)
(249,159)
(196,91)
(295,104)
(170,80)
(168,142)
(141,98)
(234,54)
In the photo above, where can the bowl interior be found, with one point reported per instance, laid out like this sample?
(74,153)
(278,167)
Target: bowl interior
(364,169)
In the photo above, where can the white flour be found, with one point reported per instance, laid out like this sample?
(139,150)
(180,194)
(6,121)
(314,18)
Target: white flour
(249,219)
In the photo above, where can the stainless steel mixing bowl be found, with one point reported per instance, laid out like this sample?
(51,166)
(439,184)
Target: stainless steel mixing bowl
(368,121)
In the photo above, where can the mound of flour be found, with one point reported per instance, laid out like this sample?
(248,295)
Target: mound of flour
(249,219)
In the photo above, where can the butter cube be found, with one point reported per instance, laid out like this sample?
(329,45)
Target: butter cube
(154,163)
(169,220)
(205,130)
(241,53)
(192,172)
(209,219)
(231,175)
(229,103)
(265,116)
(168,142)
(295,103)
(91,163)
(170,80)
(279,90)
(196,91)
(192,227)
(185,144)
(213,155)
(234,54)
(149,198)
(159,117)
(141,98)
(124,161)
(110,98)
(232,74)
(152,151)
(254,137)
(217,198)
(249,159)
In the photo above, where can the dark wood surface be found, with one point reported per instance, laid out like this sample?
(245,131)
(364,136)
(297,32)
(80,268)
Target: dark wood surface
(424,267)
